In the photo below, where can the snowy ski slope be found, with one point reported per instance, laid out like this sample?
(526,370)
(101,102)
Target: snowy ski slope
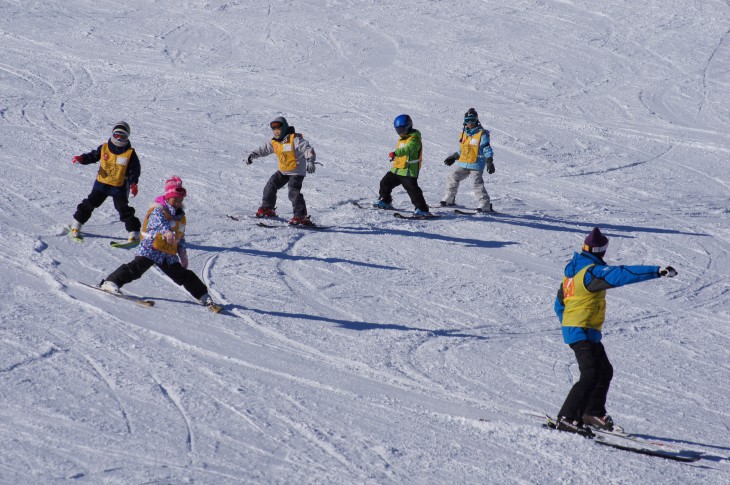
(380,351)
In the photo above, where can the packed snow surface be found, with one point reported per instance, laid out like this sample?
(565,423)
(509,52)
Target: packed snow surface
(380,350)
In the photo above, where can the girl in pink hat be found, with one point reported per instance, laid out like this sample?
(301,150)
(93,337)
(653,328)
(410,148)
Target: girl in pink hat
(163,244)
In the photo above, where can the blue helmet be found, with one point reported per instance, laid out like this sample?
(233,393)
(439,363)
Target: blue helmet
(402,124)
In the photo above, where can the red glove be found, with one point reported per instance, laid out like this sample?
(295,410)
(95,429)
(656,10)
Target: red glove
(78,159)
(391,155)
(134,189)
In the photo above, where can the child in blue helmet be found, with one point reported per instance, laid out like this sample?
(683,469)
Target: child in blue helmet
(407,159)
(474,155)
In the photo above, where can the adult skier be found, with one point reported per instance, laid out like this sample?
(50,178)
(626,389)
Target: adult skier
(581,309)
(163,244)
(474,155)
(296,159)
(118,176)
(407,159)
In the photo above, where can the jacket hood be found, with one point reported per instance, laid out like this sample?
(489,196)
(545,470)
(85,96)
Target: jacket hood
(580,261)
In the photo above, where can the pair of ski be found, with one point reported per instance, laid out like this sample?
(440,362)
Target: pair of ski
(114,244)
(282,223)
(138,299)
(398,215)
(629,442)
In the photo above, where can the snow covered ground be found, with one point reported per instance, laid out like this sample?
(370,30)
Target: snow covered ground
(380,351)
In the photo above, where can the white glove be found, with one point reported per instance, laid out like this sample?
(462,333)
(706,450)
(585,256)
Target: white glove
(310,167)
(668,271)
(169,237)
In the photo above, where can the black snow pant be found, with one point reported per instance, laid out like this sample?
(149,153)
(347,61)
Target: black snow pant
(139,265)
(279,180)
(588,395)
(121,204)
(391,181)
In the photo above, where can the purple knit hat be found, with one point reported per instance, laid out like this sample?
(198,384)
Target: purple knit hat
(596,243)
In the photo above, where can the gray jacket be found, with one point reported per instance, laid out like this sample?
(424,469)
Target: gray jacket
(302,150)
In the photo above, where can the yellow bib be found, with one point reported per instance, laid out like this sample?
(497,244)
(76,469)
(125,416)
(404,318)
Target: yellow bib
(113,168)
(582,308)
(470,147)
(402,161)
(159,243)
(285,153)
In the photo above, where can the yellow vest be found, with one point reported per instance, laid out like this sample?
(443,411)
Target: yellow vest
(402,161)
(582,308)
(470,147)
(178,227)
(113,168)
(285,153)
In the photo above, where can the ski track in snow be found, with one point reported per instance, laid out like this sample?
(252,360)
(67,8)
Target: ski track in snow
(378,351)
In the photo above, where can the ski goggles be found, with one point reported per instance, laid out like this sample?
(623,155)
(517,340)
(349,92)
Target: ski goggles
(471,121)
(118,135)
(276,125)
(595,249)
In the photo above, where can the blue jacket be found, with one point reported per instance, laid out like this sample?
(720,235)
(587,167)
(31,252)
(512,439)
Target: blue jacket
(133,170)
(485,150)
(598,278)
(156,224)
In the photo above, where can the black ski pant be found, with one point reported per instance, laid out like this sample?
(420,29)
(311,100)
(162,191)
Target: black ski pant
(588,395)
(121,204)
(279,180)
(139,265)
(391,181)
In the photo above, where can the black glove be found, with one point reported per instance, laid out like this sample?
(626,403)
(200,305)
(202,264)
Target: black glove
(249,160)
(490,165)
(451,159)
(668,271)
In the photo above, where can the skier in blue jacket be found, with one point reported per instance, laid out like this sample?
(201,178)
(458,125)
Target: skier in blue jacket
(474,155)
(581,309)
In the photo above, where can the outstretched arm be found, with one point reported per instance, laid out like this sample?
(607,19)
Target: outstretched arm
(599,278)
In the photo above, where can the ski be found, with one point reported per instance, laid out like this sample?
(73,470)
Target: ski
(215,308)
(124,244)
(67,230)
(372,207)
(123,296)
(300,226)
(474,213)
(234,217)
(399,215)
(631,443)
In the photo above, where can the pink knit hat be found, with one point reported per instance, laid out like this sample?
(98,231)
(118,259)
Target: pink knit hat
(173,191)
(173,181)
(174,188)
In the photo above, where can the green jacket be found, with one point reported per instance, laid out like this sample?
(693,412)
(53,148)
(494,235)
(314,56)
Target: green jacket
(408,149)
